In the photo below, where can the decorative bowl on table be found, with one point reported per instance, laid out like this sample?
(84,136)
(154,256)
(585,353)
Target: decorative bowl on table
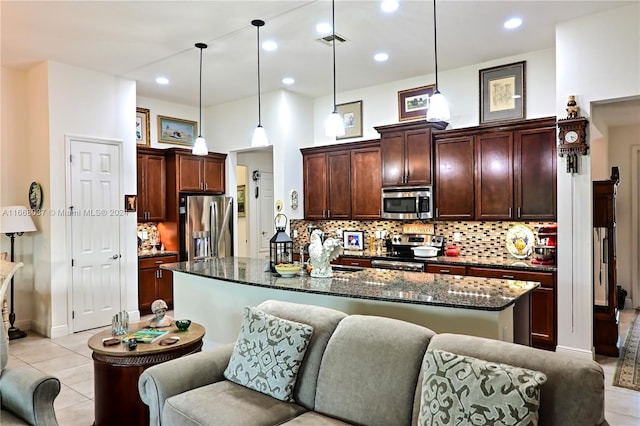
(287,269)
(183,324)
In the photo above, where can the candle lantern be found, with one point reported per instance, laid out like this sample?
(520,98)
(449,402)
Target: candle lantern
(281,245)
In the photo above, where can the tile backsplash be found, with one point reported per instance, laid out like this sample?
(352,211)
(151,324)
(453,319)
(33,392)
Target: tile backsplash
(150,230)
(482,239)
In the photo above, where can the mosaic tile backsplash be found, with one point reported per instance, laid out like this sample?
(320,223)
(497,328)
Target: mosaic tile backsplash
(482,239)
(150,230)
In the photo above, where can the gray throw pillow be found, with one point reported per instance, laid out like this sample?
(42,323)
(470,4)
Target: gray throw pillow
(268,354)
(461,390)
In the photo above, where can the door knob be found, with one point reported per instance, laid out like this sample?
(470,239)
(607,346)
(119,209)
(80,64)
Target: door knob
(115,256)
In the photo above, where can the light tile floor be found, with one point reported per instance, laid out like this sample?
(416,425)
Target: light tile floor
(69,359)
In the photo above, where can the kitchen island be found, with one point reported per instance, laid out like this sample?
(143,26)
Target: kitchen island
(214,293)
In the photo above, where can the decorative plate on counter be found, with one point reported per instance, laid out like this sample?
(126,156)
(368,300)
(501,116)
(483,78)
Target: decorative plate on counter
(520,241)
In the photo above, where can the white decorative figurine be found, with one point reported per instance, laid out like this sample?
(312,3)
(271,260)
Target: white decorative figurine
(160,319)
(321,254)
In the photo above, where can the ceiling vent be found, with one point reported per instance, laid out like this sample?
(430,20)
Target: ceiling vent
(328,40)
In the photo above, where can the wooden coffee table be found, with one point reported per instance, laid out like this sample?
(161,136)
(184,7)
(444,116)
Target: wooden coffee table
(116,370)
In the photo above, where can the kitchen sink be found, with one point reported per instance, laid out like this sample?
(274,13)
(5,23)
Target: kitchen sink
(343,269)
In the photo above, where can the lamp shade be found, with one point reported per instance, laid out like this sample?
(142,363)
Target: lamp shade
(334,125)
(200,147)
(16,219)
(438,108)
(259,137)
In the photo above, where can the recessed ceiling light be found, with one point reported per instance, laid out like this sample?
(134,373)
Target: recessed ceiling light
(269,45)
(389,6)
(324,28)
(162,80)
(512,23)
(381,57)
(288,81)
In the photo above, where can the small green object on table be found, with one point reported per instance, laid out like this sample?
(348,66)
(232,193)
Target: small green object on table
(183,325)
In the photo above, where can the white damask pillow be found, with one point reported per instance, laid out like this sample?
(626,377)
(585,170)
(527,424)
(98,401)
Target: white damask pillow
(268,354)
(461,390)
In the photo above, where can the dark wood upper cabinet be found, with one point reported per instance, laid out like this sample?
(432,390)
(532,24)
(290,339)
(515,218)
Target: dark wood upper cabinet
(152,205)
(454,178)
(494,176)
(342,181)
(366,183)
(406,153)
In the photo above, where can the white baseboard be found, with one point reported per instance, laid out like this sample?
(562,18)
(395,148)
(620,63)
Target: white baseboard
(578,353)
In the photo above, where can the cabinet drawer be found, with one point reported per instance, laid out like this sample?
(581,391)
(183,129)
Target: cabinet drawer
(544,278)
(446,269)
(350,261)
(154,262)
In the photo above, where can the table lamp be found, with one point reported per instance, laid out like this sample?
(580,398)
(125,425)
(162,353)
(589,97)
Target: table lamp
(15,220)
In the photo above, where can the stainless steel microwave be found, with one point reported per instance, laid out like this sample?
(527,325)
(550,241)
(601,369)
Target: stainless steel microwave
(407,203)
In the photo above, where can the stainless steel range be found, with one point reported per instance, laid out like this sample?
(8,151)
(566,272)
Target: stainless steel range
(401,256)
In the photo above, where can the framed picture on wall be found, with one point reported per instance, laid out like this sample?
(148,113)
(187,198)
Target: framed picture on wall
(130,203)
(241,200)
(414,103)
(503,93)
(142,127)
(177,130)
(351,115)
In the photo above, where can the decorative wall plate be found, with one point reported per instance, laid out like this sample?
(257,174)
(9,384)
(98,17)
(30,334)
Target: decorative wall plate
(520,241)
(35,196)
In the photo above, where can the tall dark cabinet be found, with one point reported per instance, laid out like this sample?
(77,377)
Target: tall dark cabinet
(605,300)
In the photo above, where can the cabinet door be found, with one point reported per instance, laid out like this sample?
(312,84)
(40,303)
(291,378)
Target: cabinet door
(446,269)
(339,185)
(315,186)
(214,175)
(141,166)
(418,157)
(543,318)
(165,286)
(155,188)
(366,183)
(494,176)
(535,174)
(147,291)
(454,181)
(189,173)
(392,152)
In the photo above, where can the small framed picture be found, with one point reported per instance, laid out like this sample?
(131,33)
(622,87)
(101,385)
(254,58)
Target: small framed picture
(177,130)
(351,114)
(503,93)
(130,203)
(353,240)
(241,200)
(142,127)
(414,103)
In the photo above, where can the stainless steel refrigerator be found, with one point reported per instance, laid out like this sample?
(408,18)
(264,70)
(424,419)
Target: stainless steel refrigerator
(206,226)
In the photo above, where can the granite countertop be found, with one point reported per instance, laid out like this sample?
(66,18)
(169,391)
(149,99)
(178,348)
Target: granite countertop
(488,262)
(394,286)
(142,254)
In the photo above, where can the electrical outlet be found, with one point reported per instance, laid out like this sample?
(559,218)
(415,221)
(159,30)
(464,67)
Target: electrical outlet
(456,236)
(295,233)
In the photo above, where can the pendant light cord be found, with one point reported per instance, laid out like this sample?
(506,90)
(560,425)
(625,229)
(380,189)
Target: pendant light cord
(200,46)
(333,43)
(259,96)
(435,42)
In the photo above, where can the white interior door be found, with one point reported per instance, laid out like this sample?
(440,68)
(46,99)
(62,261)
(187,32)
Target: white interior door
(95,174)
(266,215)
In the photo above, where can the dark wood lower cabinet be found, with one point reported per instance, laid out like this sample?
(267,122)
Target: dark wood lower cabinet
(154,283)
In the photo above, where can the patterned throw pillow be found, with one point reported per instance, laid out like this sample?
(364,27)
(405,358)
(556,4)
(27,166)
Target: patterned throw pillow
(461,390)
(268,354)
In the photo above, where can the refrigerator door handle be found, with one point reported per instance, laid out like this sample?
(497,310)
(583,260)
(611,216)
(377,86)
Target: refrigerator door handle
(213,215)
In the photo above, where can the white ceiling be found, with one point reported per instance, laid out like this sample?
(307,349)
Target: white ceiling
(140,40)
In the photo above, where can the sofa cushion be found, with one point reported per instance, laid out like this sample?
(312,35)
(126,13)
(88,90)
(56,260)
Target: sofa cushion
(268,354)
(225,404)
(369,371)
(324,321)
(458,389)
(574,392)
(311,418)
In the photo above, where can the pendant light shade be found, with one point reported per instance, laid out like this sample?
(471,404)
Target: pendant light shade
(259,135)
(200,145)
(438,105)
(334,126)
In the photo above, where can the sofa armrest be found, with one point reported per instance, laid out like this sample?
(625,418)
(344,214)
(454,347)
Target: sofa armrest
(159,382)
(29,394)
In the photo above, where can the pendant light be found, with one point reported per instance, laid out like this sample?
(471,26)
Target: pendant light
(438,106)
(200,145)
(259,135)
(334,125)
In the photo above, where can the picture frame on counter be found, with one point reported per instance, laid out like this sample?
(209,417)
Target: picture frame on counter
(177,130)
(351,114)
(503,93)
(353,240)
(414,103)
(142,127)
(130,203)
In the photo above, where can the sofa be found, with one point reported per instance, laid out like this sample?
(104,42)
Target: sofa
(366,370)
